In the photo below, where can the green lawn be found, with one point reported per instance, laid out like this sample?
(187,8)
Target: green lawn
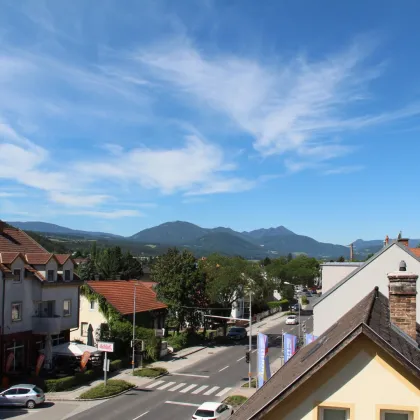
(113,387)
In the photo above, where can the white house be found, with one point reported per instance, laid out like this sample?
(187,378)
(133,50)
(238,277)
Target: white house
(40,299)
(333,272)
(345,294)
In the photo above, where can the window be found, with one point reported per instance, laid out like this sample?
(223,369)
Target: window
(17,276)
(330,413)
(84,328)
(57,339)
(396,415)
(23,391)
(12,391)
(16,311)
(67,275)
(67,307)
(92,305)
(50,275)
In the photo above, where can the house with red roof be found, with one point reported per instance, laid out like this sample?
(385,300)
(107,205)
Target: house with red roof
(126,297)
(39,292)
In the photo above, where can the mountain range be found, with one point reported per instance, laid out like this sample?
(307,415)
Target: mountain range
(255,244)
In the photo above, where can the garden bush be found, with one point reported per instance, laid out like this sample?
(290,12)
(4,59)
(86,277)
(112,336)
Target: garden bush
(113,387)
(274,304)
(253,383)
(115,365)
(235,400)
(69,382)
(304,300)
(151,372)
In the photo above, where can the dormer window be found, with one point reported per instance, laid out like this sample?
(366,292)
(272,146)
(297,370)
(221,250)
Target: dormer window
(50,275)
(17,275)
(67,275)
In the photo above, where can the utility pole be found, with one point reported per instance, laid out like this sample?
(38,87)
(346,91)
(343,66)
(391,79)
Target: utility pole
(299,300)
(250,340)
(134,328)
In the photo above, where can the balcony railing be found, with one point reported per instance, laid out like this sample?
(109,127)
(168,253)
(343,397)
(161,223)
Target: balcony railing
(46,324)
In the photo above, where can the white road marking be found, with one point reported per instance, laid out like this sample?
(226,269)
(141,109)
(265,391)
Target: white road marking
(211,390)
(177,387)
(154,384)
(141,415)
(223,391)
(182,403)
(241,359)
(188,388)
(190,374)
(198,390)
(223,368)
(167,385)
(253,351)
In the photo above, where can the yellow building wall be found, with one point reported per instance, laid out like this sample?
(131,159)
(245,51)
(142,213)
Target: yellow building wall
(363,378)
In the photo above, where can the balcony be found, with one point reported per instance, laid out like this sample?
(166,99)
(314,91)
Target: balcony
(46,324)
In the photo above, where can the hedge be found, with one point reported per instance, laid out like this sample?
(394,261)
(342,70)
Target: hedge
(235,400)
(115,365)
(283,304)
(152,372)
(304,300)
(113,387)
(63,384)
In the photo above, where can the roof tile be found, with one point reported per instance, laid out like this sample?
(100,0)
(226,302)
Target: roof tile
(16,240)
(119,293)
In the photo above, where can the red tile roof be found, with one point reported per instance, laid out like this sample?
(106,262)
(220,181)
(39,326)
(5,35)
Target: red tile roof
(119,293)
(149,284)
(38,259)
(62,258)
(415,251)
(16,240)
(9,257)
(4,269)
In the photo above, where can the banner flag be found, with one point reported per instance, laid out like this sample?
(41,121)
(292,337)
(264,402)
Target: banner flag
(290,344)
(263,363)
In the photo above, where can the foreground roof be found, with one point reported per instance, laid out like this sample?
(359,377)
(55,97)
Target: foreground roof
(119,293)
(369,317)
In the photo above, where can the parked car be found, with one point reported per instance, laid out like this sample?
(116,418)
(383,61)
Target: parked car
(292,320)
(26,395)
(237,333)
(296,307)
(213,410)
(308,294)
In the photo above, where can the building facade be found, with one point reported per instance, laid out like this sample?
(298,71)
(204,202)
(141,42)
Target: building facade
(39,295)
(333,272)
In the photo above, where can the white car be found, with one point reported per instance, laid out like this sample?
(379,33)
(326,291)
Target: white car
(213,410)
(291,320)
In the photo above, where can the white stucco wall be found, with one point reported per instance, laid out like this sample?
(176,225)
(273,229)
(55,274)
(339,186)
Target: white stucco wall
(90,316)
(341,300)
(332,273)
(68,265)
(366,384)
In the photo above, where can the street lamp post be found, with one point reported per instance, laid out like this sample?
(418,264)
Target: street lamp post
(250,340)
(134,328)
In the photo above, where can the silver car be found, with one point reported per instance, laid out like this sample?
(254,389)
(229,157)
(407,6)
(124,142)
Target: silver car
(26,395)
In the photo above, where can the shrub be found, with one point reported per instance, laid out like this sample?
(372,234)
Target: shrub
(235,400)
(113,387)
(151,372)
(69,382)
(115,365)
(253,383)
(274,304)
(304,300)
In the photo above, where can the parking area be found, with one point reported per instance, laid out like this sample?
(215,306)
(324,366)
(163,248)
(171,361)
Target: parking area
(50,410)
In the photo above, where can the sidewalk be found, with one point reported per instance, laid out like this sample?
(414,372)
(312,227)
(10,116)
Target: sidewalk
(178,361)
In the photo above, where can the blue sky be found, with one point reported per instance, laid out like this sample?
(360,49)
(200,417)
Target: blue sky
(236,113)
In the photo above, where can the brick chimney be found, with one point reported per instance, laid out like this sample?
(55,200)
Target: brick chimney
(386,241)
(403,241)
(402,300)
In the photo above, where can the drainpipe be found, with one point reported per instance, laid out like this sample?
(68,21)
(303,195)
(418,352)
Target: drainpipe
(2,324)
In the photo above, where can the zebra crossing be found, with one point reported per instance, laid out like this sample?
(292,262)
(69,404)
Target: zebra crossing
(185,388)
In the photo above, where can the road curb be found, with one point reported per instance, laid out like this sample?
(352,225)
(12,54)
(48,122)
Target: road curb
(90,399)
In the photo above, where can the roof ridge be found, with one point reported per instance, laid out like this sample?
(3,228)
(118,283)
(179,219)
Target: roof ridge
(374,295)
(30,237)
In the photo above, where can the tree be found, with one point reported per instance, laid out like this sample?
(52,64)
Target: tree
(289,257)
(180,285)
(266,261)
(341,259)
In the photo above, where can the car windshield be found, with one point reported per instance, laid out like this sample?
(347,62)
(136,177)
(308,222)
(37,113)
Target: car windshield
(204,413)
(235,330)
(292,317)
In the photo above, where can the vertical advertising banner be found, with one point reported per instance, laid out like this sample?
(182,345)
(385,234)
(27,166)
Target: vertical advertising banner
(39,363)
(263,363)
(289,343)
(85,358)
(309,338)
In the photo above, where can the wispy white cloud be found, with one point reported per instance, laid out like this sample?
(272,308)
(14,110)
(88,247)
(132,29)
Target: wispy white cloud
(343,170)
(82,200)
(288,107)
(114,214)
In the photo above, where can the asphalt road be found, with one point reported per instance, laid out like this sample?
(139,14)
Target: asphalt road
(176,396)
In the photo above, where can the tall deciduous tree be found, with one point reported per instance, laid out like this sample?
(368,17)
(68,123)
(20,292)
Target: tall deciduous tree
(180,285)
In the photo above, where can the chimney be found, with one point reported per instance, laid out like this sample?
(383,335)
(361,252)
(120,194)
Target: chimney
(96,277)
(386,241)
(2,226)
(351,252)
(402,300)
(403,241)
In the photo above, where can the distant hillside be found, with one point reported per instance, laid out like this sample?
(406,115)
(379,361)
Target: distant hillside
(156,240)
(56,229)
